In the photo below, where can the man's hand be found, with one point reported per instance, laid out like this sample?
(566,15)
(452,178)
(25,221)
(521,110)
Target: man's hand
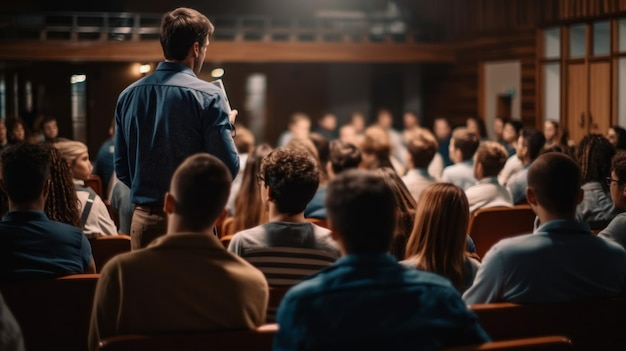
(232,116)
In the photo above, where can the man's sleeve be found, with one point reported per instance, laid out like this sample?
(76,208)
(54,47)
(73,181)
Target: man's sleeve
(121,152)
(106,303)
(85,252)
(218,139)
(289,330)
(487,285)
(467,330)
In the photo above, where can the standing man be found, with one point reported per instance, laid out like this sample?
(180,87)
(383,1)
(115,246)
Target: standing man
(167,116)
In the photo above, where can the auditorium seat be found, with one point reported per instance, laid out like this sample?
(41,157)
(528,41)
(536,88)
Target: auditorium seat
(318,221)
(227,227)
(260,339)
(53,313)
(95,183)
(487,226)
(226,240)
(544,343)
(590,324)
(106,247)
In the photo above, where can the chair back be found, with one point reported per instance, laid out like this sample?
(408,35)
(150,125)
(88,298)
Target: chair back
(228,227)
(53,313)
(487,226)
(226,240)
(318,221)
(590,324)
(95,183)
(544,343)
(260,339)
(105,248)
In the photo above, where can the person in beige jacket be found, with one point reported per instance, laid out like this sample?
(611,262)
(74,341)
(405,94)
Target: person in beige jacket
(184,281)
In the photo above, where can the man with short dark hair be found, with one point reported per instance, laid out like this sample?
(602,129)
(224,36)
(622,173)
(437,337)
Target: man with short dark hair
(462,147)
(562,260)
(488,162)
(616,230)
(288,247)
(167,116)
(367,300)
(343,156)
(184,281)
(50,129)
(529,146)
(32,246)
(422,147)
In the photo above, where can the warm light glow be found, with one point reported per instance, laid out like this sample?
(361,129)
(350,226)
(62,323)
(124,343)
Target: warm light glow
(144,68)
(78,78)
(217,72)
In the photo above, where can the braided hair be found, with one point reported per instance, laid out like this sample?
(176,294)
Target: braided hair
(62,204)
(594,155)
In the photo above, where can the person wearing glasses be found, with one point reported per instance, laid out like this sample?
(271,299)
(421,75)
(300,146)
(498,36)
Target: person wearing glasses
(616,230)
(167,116)
(562,260)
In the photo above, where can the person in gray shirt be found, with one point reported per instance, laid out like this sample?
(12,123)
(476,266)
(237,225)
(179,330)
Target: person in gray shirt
(616,230)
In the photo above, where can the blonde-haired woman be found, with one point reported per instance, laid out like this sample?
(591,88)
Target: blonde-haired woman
(95,218)
(439,238)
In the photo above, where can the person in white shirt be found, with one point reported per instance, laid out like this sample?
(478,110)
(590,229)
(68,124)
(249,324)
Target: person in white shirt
(488,162)
(422,147)
(463,145)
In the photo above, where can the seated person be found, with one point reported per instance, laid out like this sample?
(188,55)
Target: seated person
(184,281)
(287,248)
(616,230)
(367,300)
(32,246)
(529,146)
(95,217)
(462,147)
(488,162)
(562,260)
(422,148)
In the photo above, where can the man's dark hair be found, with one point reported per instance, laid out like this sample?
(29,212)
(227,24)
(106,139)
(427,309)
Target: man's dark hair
(361,207)
(293,177)
(618,165)
(556,179)
(467,142)
(323,147)
(344,156)
(517,125)
(201,185)
(25,170)
(492,156)
(534,140)
(48,119)
(180,29)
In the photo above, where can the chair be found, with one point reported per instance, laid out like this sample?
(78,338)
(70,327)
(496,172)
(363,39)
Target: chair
(53,313)
(95,183)
(104,248)
(219,221)
(590,324)
(260,339)
(227,227)
(544,343)
(318,221)
(487,226)
(226,240)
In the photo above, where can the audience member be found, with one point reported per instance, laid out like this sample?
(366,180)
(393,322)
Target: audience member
(104,164)
(244,142)
(353,131)
(529,146)
(184,281)
(422,148)
(31,245)
(489,159)
(250,210)
(405,211)
(463,145)
(366,300)
(50,129)
(62,204)
(384,119)
(4,141)
(287,248)
(498,128)
(410,121)
(438,244)
(316,208)
(477,126)
(562,260)
(299,128)
(376,150)
(617,137)
(10,332)
(553,133)
(167,116)
(443,133)
(327,126)
(17,131)
(94,218)
(342,156)
(594,155)
(510,134)
(616,230)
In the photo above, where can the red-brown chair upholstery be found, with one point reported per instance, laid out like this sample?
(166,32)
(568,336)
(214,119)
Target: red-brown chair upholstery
(487,226)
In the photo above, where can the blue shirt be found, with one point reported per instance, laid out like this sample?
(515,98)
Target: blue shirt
(517,185)
(562,261)
(162,119)
(316,208)
(103,166)
(34,247)
(370,302)
(460,174)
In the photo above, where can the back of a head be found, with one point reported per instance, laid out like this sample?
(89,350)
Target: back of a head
(293,176)
(534,140)
(492,156)
(555,179)
(25,170)
(200,185)
(465,141)
(244,142)
(594,156)
(422,146)
(180,29)
(620,132)
(70,149)
(618,165)
(322,146)
(248,204)
(361,208)
(344,156)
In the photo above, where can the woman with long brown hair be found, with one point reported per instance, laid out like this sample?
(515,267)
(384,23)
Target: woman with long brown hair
(438,241)
(249,211)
